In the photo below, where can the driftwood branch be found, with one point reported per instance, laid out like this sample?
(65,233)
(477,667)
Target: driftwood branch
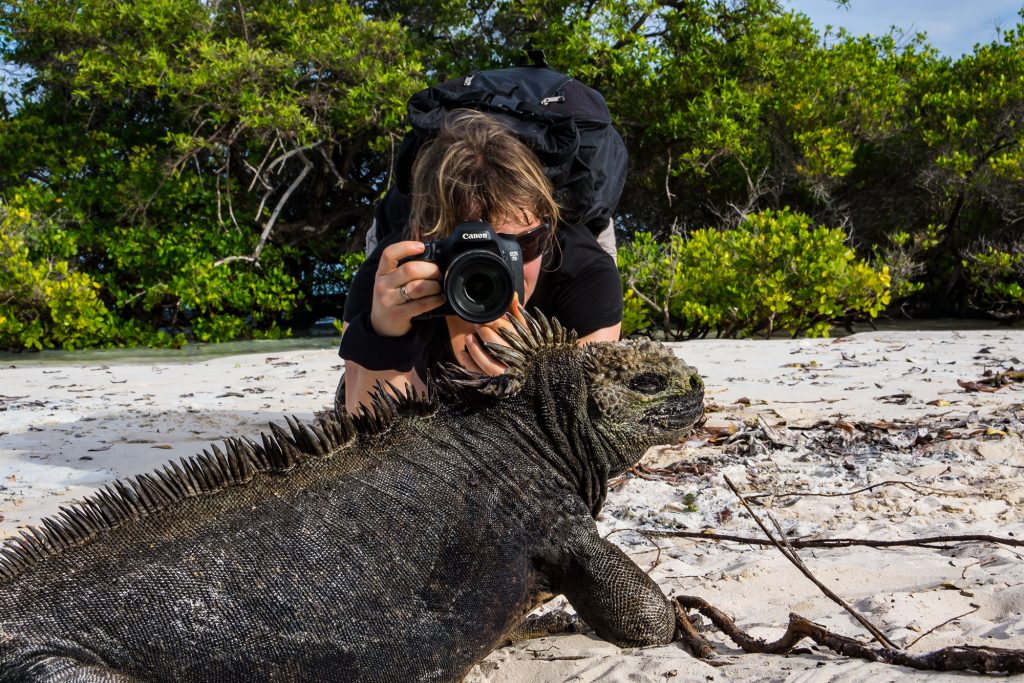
(916,488)
(689,634)
(954,658)
(642,532)
(925,542)
(791,555)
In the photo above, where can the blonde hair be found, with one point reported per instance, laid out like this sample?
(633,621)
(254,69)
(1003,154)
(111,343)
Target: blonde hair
(477,167)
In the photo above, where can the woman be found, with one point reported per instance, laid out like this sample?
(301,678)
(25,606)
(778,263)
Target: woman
(475,169)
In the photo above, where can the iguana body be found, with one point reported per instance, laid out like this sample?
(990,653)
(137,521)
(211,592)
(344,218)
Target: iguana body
(403,546)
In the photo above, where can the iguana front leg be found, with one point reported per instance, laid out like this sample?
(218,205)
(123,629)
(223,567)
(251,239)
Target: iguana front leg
(613,596)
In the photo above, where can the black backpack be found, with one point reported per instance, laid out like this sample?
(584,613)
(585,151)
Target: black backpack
(566,123)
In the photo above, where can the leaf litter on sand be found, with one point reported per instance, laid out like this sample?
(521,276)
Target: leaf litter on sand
(886,481)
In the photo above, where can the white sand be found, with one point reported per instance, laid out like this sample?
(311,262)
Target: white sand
(67,429)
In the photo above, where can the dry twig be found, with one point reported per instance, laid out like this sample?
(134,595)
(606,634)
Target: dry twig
(916,488)
(689,634)
(645,534)
(936,628)
(791,555)
(926,542)
(955,658)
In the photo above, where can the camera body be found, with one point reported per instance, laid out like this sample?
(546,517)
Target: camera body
(481,271)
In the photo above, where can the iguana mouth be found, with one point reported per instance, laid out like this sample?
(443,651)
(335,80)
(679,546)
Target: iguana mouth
(677,413)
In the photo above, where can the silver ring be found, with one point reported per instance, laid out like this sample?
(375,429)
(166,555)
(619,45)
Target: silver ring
(405,294)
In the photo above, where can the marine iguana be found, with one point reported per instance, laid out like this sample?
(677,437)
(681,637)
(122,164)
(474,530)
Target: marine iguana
(400,545)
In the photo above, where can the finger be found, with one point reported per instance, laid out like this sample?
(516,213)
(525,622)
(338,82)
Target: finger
(389,293)
(418,270)
(499,324)
(422,305)
(488,335)
(486,363)
(407,275)
(390,257)
(419,289)
(468,363)
(394,316)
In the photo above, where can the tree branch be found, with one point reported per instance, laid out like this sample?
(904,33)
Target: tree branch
(637,25)
(788,552)
(954,658)
(926,542)
(307,166)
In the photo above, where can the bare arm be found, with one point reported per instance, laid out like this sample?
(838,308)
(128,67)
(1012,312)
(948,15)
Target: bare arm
(400,293)
(609,334)
(360,383)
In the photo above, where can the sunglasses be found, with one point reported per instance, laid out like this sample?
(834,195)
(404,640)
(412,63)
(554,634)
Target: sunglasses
(533,242)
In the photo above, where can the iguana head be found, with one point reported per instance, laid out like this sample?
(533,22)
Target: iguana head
(641,395)
(612,400)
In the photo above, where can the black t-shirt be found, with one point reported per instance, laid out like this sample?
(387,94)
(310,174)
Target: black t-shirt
(579,284)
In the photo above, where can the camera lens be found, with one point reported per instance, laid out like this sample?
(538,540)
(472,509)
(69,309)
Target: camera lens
(479,286)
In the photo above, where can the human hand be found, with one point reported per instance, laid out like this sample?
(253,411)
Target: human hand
(403,291)
(477,357)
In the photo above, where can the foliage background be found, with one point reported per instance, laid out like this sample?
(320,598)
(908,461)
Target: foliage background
(205,168)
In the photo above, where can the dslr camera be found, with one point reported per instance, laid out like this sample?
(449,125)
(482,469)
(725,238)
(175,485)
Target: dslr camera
(480,271)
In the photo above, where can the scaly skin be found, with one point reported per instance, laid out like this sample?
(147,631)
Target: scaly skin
(403,546)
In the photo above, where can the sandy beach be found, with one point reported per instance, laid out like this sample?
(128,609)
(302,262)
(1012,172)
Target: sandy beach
(803,422)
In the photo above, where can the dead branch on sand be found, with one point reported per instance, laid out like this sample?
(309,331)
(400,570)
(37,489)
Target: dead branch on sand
(953,658)
(790,554)
(924,542)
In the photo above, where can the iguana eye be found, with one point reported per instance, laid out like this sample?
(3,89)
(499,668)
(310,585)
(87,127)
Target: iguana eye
(648,383)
